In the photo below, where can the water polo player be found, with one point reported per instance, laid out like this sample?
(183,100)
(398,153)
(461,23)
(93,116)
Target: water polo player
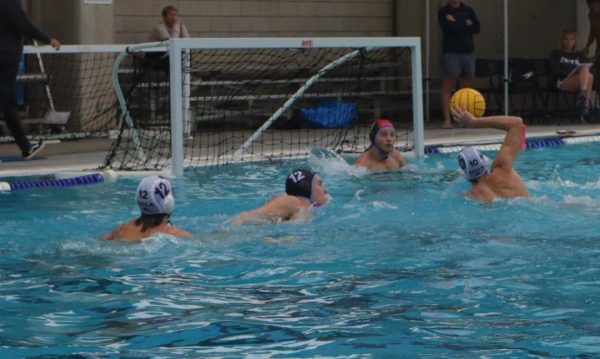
(499,179)
(154,197)
(304,189)
(381,154)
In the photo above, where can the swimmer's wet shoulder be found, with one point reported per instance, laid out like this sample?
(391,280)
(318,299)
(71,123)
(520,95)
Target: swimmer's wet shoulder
(154,197)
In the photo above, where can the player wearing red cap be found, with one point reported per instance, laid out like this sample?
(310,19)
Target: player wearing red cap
(381,155)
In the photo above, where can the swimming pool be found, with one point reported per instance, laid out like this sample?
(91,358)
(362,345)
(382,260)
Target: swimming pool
(399,264)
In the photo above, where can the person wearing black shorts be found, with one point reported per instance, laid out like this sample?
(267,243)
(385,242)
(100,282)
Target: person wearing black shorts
(14,26)
(459,23)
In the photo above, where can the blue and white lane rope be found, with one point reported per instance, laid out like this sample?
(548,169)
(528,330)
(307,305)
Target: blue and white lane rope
(83,180)
(531,144)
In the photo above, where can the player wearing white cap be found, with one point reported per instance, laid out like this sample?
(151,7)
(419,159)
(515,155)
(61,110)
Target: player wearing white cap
(500,178)
(154,197)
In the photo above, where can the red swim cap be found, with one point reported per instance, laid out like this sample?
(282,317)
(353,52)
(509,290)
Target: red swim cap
(378,125)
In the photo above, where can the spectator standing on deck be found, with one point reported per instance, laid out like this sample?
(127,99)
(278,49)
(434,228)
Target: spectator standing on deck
(14,27)
(459,23)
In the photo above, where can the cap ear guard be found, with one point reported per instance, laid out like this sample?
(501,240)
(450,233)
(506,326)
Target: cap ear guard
(169,203)
(312,185)
(373,132)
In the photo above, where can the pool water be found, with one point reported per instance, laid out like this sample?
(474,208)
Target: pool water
(399,264)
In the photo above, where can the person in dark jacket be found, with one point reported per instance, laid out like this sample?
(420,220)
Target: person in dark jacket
(570,71)
(459,23)
(14,26)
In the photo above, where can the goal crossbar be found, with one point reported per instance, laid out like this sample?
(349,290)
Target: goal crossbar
(178,46)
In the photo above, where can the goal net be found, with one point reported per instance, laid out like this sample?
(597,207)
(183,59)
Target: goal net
(207,102)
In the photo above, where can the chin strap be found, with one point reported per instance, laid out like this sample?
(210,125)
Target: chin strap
(381,153)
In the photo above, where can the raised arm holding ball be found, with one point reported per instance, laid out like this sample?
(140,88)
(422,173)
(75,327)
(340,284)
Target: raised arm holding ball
(500,178)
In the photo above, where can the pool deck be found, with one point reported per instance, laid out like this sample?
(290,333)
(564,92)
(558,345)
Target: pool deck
(88,154)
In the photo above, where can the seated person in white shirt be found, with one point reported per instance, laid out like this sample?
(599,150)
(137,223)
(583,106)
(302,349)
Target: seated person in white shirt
(170,27)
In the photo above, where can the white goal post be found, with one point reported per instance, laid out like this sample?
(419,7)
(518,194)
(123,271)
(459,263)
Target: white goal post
(176,47)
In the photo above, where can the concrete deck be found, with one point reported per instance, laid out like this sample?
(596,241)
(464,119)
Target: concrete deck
(89,154)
